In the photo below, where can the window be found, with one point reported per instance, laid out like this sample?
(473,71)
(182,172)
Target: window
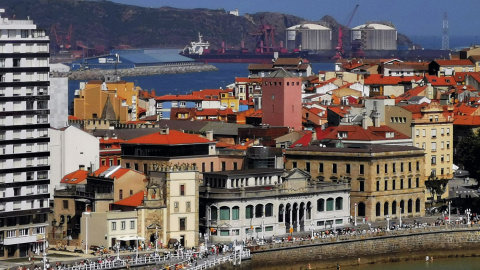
(320,205)
(339,203)
(409,182)
(183,223)
(442,145)
(224,166)
(386,184)
(114,226)
(224,213)
(65,204)
(11,233)
(269,210)
(448,131)
(448,145)
(418,165)
(235,213)
(417,132)
(442,131)
(393,184)
(424,133)
(182,190)
(378,185)
(347,168)
(378,169)
(307,166)
(401,167)
(434,132)
(294,164)
(132,224)
(120,194)
(434,159)
(320,167)
(361,185)
(249,211)
(123,225)
(401,183)
(386,168)
(330,202)
(409,166)
(434,146)
(417,182)
(334,168)
(394,168)
(362,169)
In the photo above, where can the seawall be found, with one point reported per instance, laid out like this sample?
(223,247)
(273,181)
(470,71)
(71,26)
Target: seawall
(381,249)
(99,74)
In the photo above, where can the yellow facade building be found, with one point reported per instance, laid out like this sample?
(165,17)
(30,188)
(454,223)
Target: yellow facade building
(114,101)
(386,180)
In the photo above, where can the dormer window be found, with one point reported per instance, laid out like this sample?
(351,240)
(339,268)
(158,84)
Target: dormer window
(342,134)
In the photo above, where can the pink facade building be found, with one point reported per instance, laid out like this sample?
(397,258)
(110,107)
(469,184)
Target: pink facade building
(282,100)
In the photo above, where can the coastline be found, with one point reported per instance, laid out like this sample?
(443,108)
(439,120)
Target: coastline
(99,74)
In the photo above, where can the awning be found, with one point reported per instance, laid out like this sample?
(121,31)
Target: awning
(129,238)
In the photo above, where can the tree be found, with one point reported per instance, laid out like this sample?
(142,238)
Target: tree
(468,152)
(436,186)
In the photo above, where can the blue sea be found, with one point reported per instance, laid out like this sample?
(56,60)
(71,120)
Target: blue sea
(188,82)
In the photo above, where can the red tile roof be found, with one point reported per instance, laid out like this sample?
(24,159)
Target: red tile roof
(441,81)
(75,177)
(213,112)
(459,62)
(379,79)
(304,140)
(340,110)
(135,200)
(370,134)
(471,120)
(411,93)
(174,137)
(72,117)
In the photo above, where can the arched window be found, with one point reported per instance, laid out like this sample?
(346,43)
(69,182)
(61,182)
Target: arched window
(339,203)
(410,206)
(249,211)
(394,207)
(417,205)
(402,207)
(269,210)
(361,209)
(281,209)
(224,213)
(235,213)
(213,213)
(330,202)
(320,205)
(377,209)
(259,211)
(309,210)
(385,209)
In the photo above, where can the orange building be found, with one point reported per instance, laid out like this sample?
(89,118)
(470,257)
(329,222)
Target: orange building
(114,101)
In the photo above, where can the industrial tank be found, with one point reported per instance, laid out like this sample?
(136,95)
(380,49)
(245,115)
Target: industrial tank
(309,37)
(375,36)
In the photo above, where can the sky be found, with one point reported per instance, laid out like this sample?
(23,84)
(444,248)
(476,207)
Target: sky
(410,17)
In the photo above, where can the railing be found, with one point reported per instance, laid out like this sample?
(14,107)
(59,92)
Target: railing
(183,258)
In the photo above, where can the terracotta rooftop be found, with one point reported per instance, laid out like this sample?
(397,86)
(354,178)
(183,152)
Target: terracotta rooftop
(459,62)
(178,97)
(135,200)
(75,177)
(173,137)
(379,79)
(358,133)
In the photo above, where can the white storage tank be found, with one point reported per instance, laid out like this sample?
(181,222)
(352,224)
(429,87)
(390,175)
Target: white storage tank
(375,36)
(309,36)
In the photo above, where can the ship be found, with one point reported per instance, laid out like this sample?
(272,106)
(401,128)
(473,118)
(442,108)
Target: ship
(200,51)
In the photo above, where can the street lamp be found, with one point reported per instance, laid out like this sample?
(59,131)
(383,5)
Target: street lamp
(468,212)
(156,239)
(388,222)
(355,220)
(118,249)
(449,219)
(400,217)
(312,226)
(86,214)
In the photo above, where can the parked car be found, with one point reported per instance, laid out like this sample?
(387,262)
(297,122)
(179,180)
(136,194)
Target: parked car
(461,174)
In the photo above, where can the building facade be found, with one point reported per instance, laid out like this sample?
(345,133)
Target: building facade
(386,180)
(24,123)
(261,203)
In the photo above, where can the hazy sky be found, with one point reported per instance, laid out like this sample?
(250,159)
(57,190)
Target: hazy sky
(411,17)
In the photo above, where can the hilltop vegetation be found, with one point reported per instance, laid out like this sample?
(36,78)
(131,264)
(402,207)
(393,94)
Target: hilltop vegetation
(110,24)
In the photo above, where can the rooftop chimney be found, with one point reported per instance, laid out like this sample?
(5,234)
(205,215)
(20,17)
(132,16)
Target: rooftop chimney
(364,120)
(376,119)
(209,135)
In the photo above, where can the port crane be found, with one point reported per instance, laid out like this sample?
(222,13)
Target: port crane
(340,52)
(61,44)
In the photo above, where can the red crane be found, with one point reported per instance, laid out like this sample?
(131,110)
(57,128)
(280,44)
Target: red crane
(339,49)
(61,43)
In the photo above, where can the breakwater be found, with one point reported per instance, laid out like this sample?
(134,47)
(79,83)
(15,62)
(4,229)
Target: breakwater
(99,74)
(408,245)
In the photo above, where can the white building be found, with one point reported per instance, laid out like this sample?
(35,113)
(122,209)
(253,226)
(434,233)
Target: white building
(59,96)
(261,203)
(106,228)
(71,149)
(24,123)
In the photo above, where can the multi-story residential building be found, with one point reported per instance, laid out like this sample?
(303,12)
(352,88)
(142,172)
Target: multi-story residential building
(175,147)
(180,194)
(386,180)
(245,87)
(24,123)
(261,203)
(164,104)
(282,100)
(114,101)
(431,128)
(445,67)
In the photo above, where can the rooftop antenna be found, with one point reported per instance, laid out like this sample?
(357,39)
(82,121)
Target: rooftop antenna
(445,37)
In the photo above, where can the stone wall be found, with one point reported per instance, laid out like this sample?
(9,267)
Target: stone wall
(373,250)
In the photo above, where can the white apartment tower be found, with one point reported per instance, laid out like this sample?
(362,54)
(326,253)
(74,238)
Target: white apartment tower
(24,123)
